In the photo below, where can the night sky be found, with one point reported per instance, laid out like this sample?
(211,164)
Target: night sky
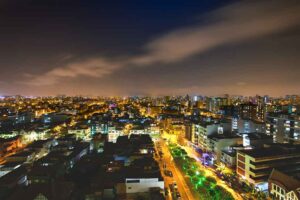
(208,47)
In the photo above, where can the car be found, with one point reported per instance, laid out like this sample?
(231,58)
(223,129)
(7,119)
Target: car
(168,173)
(178,196)
(175,185)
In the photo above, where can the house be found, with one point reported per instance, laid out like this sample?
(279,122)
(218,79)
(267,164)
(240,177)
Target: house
(283,187)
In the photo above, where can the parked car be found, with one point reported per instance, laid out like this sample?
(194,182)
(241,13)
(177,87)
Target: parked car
(168,173)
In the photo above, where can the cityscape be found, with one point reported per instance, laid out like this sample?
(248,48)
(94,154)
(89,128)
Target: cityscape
(149,100)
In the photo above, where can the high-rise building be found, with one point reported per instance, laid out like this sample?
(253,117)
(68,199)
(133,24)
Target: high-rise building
(260,109)
(283,128)
(248,111)
(214,104)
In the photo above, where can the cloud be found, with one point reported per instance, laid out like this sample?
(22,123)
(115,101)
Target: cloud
(95,68)
(232,24)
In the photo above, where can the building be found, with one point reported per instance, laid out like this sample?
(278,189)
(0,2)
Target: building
(248,111)
(283,187)
(220,142)
(256,139)
(249,126)
(255,165)
(114,133)
(260,109)
(23,118)
(8,167)
(283,128)
(215,103)
(41,147)
(54,118)
(201,131)
(228,157)
(10,181)
(24,156)
(55,190)
(188,131)
(230,111)
(80,131)
(96,127)
(138,185)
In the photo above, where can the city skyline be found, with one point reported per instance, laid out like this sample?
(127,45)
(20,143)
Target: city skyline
(133,48)
(149,100)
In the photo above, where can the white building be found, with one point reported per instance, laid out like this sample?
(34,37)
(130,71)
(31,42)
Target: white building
(200,132)
(138,185)
(283,187)
(114,133)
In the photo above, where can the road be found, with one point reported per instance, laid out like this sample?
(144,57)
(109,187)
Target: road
(14,151)
(178,177)
(210,172)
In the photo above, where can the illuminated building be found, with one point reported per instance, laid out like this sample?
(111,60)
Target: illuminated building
(249,126)
(228,156)
(256,139)
(201,131)
(283,187)
(260,109)
(248,111)
(215,103)
(283,128)
(54,118)
(230,111)
(114,133)
(24,118)
(255,165)
(219,142)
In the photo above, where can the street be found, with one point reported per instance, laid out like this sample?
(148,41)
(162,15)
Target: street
(178,177)
(210,172)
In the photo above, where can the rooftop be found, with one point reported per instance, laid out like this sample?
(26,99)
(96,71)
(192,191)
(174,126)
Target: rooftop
(274,150)
(288,182)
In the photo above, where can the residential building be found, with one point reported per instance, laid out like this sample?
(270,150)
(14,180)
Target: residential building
(220,142)
(283,187)
(283,128)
